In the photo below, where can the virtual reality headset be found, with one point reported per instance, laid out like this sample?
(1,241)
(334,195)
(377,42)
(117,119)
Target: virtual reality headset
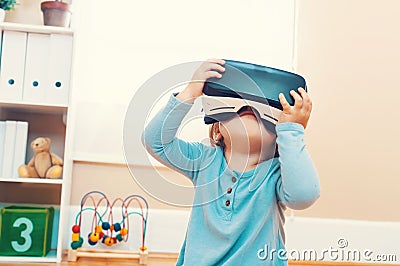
(244,84)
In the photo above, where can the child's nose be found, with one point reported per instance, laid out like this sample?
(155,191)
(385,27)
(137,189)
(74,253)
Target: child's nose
(245,108)
(248,108)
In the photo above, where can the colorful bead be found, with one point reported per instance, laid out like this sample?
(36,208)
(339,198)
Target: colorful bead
(101,235)
(105,225)
(91,242)
(76,229)
(75,245)
(99,229)
(143,248)
(124,231)
(75,237)
(117,227)
(94,237)
(108,241)
(112,227)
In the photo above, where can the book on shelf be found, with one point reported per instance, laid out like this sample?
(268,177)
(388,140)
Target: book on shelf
(8,149)
(2,141)
(21,139)
(12,147)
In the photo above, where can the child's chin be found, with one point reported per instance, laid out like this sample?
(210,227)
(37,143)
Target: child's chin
(247,138)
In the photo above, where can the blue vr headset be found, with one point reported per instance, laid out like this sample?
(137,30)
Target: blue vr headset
(244,84)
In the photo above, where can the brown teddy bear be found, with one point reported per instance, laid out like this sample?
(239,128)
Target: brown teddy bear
(44,164)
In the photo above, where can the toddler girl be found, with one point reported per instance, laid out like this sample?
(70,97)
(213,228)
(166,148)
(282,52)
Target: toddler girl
(242,185)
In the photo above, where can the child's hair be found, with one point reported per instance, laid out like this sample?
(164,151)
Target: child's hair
(221,143)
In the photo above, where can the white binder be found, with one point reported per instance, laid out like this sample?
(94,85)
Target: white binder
(2,139)
(8,152)
(12,65)
(21,139)
(36,67)
(60,56)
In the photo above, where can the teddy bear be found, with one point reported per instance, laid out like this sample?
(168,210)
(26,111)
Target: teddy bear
(43,164)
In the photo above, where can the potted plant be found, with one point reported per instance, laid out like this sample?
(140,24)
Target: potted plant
(4,6)
(56,13)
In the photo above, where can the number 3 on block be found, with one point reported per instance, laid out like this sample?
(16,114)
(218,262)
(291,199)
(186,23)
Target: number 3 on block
(25,234)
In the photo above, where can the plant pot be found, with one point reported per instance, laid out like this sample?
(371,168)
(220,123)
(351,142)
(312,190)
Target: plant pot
(56,13)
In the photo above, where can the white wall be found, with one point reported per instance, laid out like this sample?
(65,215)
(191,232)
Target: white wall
(116,52)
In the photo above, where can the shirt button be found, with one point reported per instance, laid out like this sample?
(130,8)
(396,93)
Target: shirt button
(234,179)
(229,190)
(227,203)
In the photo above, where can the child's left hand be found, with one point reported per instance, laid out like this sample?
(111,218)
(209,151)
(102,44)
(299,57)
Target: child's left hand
(300,111)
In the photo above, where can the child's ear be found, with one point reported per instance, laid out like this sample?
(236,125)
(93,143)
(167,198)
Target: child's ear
(214,132)
(217,136)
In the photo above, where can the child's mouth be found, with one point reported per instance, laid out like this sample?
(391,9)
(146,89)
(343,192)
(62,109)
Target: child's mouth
(246,111)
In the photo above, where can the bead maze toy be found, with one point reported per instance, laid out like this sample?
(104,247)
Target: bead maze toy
(106,230)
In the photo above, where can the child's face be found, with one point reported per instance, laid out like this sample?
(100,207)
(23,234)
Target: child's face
(246,130)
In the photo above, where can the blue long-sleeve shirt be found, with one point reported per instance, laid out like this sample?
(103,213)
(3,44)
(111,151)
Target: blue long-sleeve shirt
(237,217)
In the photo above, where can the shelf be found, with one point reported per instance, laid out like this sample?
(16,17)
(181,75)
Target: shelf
(51,257)
(35,28)
(43,54)
(34,107)
(32,180)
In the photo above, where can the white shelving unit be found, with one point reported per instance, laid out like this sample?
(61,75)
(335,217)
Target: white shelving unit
(51,257)
(43,75)
(32,180)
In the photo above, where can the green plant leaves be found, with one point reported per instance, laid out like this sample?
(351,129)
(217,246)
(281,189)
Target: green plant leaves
(7,4)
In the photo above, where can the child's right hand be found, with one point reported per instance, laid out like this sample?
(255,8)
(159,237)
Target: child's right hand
(210,68)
